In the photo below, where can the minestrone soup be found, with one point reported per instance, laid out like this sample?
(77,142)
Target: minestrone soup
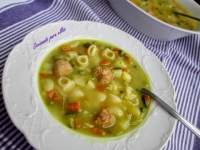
(165,11)
(91,87)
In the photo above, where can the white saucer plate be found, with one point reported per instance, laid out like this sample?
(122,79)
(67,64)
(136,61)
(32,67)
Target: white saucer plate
(26,109)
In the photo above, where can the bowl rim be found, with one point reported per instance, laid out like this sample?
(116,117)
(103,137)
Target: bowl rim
(162,22)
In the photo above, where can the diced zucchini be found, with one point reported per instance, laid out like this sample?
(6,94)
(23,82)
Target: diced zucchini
(136,122)
(88,125)
(136,111)
(120,64)
(114,98)
(135,101)
(74,44)
(76,93)
(48,84)
(129,90)
(124,124)
(72,55)
(132,109)
(90,84)
(131,95)
(47,67)
(117,73)
(79,80)
(126,76)
(113,86)
(71,122)
(94,61)
(100,96)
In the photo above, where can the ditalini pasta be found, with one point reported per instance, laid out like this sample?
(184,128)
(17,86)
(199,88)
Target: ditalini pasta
(91,87)
(83,60)
(66,84)
(92,50)
(109,54)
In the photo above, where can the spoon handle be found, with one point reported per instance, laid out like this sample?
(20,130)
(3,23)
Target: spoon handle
(172,112)
(188,16)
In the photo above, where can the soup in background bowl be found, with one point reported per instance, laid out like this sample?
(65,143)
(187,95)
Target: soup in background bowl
(92,87)
(166,10)
(151,25)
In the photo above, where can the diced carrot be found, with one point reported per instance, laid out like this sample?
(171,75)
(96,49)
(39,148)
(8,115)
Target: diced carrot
(100,87)
(65,48)
(45,75)
(127,59)
(124,69)
(98,131)
(146,99)
(54,96)
(50,94)
(105,62)
(77,123)
(73,107)
(116,51)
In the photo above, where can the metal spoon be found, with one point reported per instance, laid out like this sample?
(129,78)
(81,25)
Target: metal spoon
(171,111)
(185,15)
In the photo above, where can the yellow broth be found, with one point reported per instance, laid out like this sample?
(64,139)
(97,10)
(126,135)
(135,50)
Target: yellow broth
(91,87)
(164,10)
